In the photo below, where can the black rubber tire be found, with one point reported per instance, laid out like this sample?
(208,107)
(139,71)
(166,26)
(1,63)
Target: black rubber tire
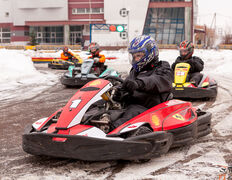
(141,130)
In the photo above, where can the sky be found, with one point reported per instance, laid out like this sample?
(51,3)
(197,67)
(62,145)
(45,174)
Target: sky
(222,8)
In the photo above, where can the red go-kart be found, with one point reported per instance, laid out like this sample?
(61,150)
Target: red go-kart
(80,129)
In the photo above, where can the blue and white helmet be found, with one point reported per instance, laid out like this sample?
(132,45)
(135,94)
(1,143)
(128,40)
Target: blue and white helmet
(146,44)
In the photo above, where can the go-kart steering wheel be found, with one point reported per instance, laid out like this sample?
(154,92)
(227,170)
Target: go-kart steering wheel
(114,80)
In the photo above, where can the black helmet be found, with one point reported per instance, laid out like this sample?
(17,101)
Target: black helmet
(186,49)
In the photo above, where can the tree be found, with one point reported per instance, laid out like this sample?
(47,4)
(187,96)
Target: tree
(227,38)
(33,40)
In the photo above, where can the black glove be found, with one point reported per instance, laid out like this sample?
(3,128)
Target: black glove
(118,94)
(132,85)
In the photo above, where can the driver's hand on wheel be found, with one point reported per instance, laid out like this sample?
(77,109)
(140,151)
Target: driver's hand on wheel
(132,85)
(118,94)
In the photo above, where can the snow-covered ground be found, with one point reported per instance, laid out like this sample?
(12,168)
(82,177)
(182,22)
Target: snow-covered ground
(17,72)
(199,161)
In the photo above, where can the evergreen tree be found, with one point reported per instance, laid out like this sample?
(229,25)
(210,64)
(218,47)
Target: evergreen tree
(33,40)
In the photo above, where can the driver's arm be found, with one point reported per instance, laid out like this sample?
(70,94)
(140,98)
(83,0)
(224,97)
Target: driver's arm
(71,54)
(102,58)
(63,56)
(159,81)
(196,64)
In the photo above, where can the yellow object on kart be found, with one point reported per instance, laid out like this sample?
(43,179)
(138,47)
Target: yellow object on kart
(64,64)
(182,88)
(80,60)
(180,75)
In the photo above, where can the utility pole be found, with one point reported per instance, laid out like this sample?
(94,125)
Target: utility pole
(213,22)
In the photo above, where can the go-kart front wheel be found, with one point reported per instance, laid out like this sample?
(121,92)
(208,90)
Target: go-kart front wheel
(140,131)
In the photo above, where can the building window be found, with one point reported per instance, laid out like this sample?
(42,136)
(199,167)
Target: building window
(39,35)
(87,10)
(5,35)
(26,33)
(53,34)
(49,34)
(76,35)
(96,10)
(166,25)
(74,11)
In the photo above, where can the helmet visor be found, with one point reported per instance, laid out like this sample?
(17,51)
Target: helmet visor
(137,56)
(184,52)
(93,49)
(65,50)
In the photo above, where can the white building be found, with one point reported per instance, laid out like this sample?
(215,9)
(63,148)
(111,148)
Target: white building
(76,21)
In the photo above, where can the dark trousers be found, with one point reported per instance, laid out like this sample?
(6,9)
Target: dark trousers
(130,112)
(99,68)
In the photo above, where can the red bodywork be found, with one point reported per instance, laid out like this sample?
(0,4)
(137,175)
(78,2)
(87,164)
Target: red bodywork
(165,116)
(69,112)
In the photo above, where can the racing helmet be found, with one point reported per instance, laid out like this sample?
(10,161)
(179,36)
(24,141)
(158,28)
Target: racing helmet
(143,50)
(65,49)
(94,48)
(186,49)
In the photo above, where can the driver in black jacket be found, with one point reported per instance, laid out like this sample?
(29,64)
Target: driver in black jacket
(186,49)
(149,82)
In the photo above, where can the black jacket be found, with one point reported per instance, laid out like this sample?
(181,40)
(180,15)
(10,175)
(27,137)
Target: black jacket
(157,83)
(195,62)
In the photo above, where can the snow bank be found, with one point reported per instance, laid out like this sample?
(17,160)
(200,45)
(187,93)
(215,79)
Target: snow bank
(19,75)
(15,66)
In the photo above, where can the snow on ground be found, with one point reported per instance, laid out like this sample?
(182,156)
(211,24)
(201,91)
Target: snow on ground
(220,127)
(15,66)
(200,161)
(18,72)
